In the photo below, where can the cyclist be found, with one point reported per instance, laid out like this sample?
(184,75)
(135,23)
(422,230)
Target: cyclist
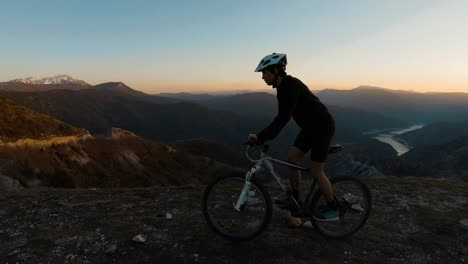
(317,129)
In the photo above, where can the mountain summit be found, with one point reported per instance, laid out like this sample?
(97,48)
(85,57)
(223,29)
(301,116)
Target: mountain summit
(57,79)
(114,86)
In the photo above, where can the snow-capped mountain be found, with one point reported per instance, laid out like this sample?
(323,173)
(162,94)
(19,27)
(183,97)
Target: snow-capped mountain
(58,79)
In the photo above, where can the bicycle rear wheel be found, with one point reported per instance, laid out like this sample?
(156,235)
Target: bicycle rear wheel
(354,202)
(219,202)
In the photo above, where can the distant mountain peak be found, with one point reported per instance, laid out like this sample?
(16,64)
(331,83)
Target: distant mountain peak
(376,88)
(57,79)
(118,86)
(369,87)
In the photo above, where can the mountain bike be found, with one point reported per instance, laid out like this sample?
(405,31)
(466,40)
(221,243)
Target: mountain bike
(240,207)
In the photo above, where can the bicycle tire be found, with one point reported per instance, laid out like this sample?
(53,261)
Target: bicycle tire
(368,205)
(264,222)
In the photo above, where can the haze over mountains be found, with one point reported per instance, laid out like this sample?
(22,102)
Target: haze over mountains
(436,133)
(406,106)
(116,105)
(368,107)
(265,105)
(107,105)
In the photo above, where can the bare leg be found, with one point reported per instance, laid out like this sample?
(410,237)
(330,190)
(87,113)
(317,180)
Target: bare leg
(316,169)
(295,155)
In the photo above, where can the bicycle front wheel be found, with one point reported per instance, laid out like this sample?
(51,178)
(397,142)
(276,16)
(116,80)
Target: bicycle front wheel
(219,202)
(354,202)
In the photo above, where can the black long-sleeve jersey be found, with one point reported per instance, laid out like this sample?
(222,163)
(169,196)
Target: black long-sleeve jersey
(297,101)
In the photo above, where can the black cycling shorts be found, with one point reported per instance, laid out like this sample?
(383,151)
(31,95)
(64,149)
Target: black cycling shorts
(317,143)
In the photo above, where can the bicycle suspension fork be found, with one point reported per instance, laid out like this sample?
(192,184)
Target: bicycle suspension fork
(246,187)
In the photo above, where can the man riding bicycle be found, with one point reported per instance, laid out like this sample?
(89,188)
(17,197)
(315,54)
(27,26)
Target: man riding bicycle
(317,129)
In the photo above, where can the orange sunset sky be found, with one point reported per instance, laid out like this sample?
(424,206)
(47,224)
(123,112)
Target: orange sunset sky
(157,46)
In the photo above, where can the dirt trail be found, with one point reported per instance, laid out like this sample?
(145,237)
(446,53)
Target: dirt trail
(413,221)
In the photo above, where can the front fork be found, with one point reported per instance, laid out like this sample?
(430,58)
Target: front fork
(245,190)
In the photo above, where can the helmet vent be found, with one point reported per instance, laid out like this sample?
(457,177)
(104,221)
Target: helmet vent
(266,62)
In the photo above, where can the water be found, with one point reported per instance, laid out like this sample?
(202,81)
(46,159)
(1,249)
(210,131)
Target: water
(388,137)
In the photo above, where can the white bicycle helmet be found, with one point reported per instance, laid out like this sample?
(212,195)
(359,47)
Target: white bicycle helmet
(273,59)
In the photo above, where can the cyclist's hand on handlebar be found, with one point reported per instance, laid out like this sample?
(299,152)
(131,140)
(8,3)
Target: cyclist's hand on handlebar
(252,139)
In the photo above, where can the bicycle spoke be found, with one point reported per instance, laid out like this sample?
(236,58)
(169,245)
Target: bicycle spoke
(223,214)
(354,206)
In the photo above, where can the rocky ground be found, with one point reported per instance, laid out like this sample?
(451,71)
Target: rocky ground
(413,221)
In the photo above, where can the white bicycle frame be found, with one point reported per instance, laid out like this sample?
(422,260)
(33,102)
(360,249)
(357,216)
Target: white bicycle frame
(264,161)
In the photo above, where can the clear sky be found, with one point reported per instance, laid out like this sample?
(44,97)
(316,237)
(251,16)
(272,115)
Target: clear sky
(172,46)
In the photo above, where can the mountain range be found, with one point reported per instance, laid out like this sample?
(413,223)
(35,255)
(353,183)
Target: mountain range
(406,106)
(436,133)
(350,122)
(446,160)
(18,122)
(265,105)
(100,107)
(208,125)
(57,79)
(118,158)
(27,87)
(145,179)
(114,105)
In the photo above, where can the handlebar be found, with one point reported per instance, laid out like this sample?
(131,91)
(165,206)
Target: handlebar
(265,149)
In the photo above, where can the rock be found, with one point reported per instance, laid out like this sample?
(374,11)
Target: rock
(308,224)
(139,238)
(464,224)
(16,251)
(169,149)
(70,257)
(118,133)
(9,183)
(65,241)
(112,249)
(33,183)
(346,165)
(168,215)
